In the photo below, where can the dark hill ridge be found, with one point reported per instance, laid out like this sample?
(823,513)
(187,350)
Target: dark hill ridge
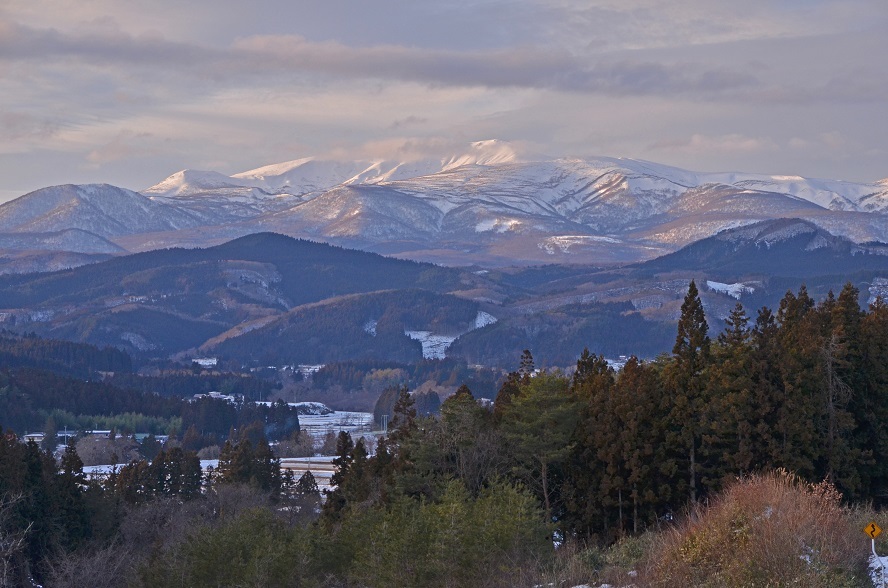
(271,297)
(782,247)
(164,301)
(358,326)
(337,271)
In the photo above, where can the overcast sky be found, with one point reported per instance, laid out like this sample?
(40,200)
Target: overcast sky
(129,92)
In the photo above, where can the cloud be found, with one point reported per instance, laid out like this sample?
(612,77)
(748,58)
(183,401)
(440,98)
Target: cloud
(137,91)
(126,144)
(408,121)
(263,56)
(15,126)
(703,144)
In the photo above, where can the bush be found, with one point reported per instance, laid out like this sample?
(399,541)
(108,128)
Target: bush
(766,530)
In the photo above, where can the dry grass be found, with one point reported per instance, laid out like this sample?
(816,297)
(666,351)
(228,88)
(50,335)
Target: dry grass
(766,530)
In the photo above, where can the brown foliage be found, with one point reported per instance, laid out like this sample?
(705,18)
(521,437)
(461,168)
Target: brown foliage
(765,530)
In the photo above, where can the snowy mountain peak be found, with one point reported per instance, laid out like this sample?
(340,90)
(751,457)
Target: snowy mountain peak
(485,153)
(100,209)
(273,170)
(188,181)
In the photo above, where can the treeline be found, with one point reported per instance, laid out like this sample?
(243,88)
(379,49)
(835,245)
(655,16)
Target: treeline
(351,375)
(29,397)
(63,357)
(184,385)
(52,515)
(608,454)
(612,329)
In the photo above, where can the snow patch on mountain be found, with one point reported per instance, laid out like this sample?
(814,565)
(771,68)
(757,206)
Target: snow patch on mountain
(370,327)
(732,290)
(496,225)
(189,181)
(483,319)
(433,346)
(484,153)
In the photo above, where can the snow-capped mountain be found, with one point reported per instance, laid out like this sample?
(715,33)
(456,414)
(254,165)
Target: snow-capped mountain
(491,203)
(100,209)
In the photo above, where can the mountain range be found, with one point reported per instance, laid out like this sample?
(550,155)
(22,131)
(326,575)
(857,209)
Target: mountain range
(491,205)
(269,299)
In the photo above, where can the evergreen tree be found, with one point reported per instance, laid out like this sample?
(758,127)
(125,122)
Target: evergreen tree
(336,501)
(870,405)
(50,435)
(688,402)
(799,410)
(728,435)
(68,498)
(537,428)
(593,468)
(468,440)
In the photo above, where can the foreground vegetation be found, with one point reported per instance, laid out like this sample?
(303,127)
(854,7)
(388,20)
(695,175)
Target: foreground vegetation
(674,472)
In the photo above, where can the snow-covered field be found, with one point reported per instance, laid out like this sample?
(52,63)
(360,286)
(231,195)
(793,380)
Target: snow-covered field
(321,467)
(355,423)
(434,346)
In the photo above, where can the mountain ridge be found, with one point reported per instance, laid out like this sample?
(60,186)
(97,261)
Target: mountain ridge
(491,204)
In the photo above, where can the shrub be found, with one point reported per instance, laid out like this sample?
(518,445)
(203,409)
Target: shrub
(765,530)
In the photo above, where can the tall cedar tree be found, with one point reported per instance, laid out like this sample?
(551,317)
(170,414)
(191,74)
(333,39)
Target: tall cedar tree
(511,387)
(688,404)
(728,432)
(799,341)
(690,356)
(588,474)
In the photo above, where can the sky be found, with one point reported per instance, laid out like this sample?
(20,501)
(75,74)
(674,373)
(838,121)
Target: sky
(127,93)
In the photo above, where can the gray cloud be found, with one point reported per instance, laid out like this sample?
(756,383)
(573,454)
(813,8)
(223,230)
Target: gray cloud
(99,90)
(262,56)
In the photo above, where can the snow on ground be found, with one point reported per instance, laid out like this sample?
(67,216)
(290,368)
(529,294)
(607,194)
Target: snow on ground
(370,327)
(100,471)
(879,570)
(321,467)
(733,290)
(433,346)
(354,423)
(483,319)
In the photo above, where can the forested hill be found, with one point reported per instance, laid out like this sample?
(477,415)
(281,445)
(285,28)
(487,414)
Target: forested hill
(162,302)
(783,247)
(302,271)
(61,357)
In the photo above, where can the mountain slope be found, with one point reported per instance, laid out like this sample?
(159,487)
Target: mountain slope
(166,301)
(491,204)
(784,247)
(100,209)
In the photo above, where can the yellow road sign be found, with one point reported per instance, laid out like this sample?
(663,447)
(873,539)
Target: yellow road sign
(873,530)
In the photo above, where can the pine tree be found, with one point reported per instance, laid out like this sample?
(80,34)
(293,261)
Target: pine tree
(728,431)
(871,404)
(799,410)
(468,441)
(537,428)
(688,404)
(50,435)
